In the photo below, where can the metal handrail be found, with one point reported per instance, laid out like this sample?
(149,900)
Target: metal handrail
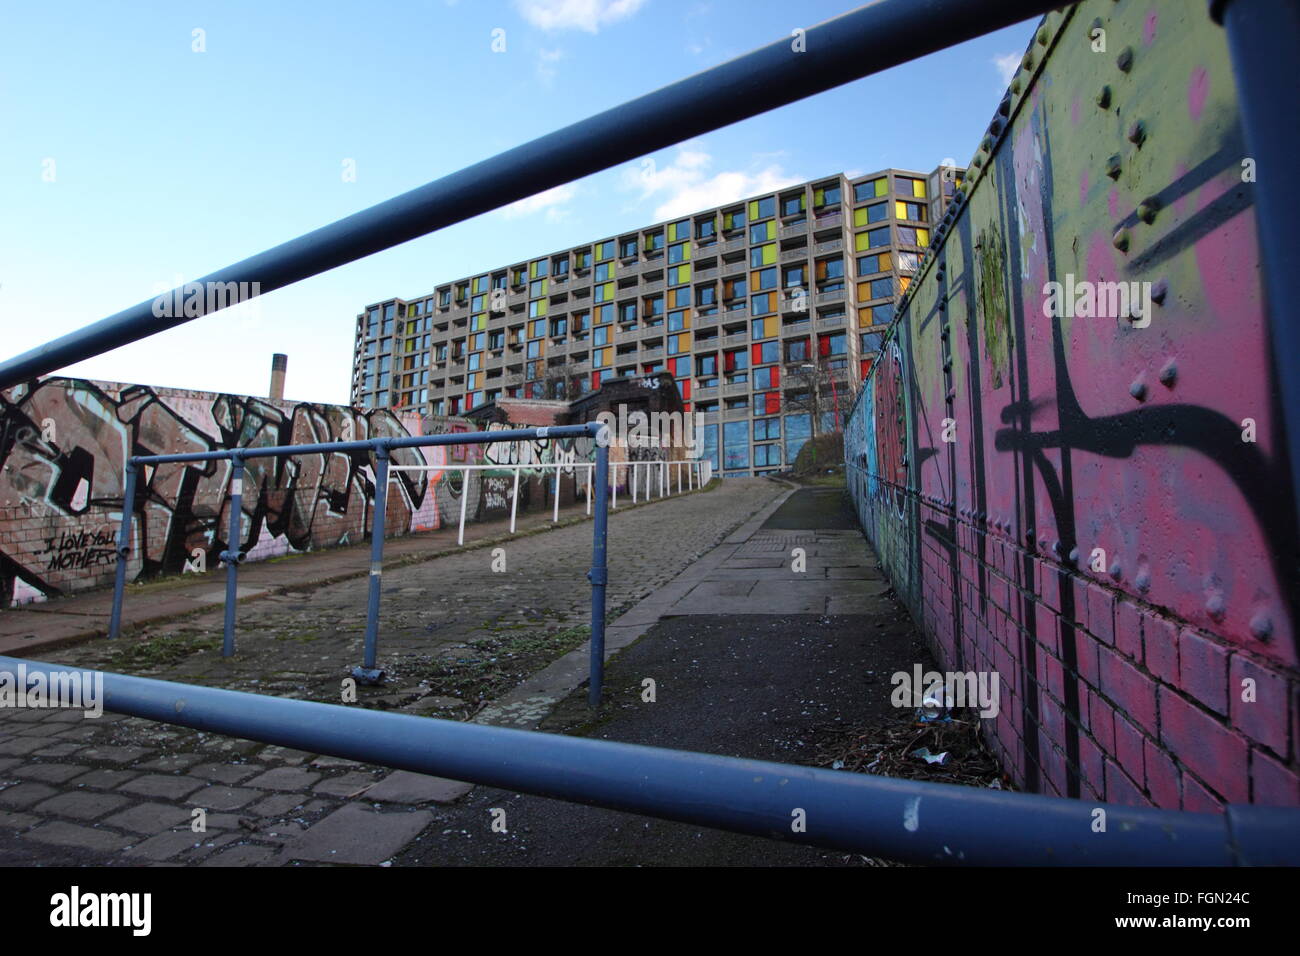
(382,448)
(907,820)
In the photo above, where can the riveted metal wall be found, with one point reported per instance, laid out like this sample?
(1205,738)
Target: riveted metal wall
(1070,452)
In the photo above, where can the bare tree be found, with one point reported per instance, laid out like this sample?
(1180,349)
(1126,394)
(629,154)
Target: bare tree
(815,387)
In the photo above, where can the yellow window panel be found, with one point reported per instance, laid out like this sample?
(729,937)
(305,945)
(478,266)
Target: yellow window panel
(864,290)
(861,242)
(860,216)
(918,188)
(753,210)
(903,282)
(900,210)
(923,237)
(864,317)
(771,326)
(769,254)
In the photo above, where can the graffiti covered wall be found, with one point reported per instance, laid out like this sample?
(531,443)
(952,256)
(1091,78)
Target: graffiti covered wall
(1069,452)
(64,444)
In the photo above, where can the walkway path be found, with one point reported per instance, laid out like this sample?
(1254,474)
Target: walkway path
(455,635)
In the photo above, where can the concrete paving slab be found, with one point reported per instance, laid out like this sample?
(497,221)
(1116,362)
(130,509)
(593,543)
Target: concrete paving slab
(413,789)
(357,835)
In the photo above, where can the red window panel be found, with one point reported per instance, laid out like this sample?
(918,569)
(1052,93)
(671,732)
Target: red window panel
(595,381)
(685,386)
(776,376)
(823,345)
(756,353)
(866,367)
(772,403)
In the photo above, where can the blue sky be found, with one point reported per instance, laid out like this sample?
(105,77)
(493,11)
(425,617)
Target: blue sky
(132,162)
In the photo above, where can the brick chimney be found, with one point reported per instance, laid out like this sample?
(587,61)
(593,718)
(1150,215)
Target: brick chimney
(279,363)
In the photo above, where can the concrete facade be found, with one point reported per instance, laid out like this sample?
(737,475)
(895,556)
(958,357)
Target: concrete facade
(765,311)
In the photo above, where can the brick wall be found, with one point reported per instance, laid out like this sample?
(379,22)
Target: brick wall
(64,443)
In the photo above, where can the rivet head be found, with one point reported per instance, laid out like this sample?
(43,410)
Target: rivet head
(1159,291)
(1169,374)
(1138,390)
(1261,627)
(1027,61)
(1042,36)
(1121,239)
(1147,209)
(1137,133)
(1115,571)
(1143,580)
(1074,555)
(1125,59)
(1215,606)
(1016,85)
(1103,97)
(1113,166)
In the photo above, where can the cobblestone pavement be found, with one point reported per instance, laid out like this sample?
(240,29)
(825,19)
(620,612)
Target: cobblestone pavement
(454,635)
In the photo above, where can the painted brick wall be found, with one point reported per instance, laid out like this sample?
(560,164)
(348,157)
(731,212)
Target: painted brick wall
(64,442)
(1092,499)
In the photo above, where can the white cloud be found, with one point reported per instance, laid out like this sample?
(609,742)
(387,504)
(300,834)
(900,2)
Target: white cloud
(685,186)
(546,60)
(1007,64)
(549,201)
(697,47)
(586,15)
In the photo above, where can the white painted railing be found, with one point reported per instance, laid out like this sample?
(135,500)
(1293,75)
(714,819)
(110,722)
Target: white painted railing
(658,476)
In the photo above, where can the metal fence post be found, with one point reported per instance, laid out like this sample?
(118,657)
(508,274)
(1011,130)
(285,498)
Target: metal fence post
(1263,37)
(514,502)
(233,555)
(368,672)
(598,576)
(464,496)
(123,549)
